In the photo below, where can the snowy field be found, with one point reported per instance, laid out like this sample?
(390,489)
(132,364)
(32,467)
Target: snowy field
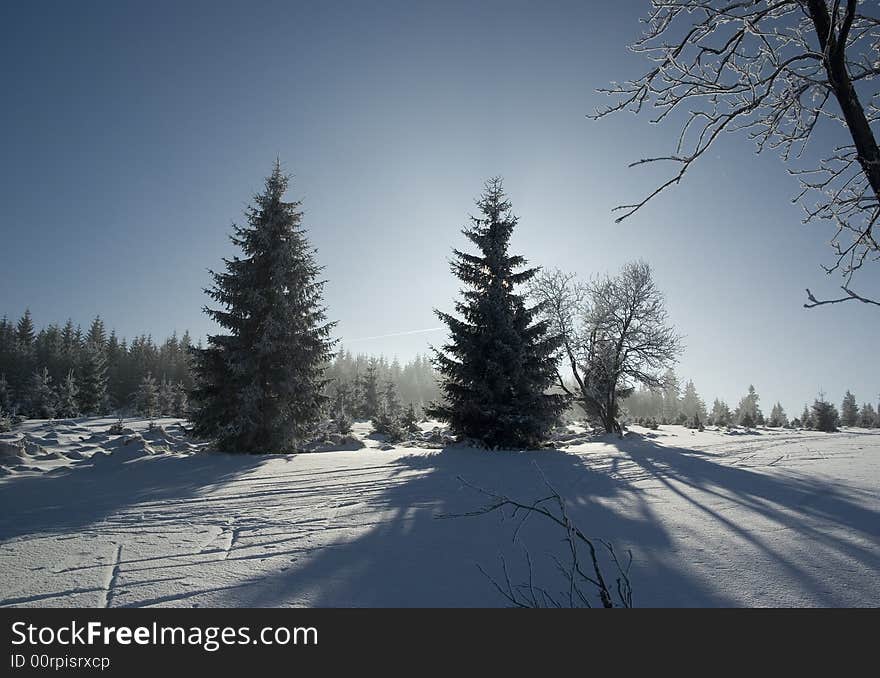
(90,519)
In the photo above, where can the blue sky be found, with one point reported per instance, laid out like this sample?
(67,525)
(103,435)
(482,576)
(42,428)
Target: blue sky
(134,134)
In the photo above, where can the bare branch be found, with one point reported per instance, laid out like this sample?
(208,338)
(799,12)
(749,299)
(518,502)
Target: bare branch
(575,574)
(769,68)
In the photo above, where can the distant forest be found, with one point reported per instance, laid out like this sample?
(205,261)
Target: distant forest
(63,371)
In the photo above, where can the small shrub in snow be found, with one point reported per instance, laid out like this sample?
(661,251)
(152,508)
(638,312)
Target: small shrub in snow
(343,423)
(117,429)
(9,421)
(409,421)
(388,425)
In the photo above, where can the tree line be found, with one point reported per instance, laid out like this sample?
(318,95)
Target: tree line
(672,404)
(61,371)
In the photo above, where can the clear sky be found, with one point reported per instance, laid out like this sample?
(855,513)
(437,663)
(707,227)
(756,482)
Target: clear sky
(134,134)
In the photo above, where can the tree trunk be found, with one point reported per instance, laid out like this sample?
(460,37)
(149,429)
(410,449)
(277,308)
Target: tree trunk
(845,92)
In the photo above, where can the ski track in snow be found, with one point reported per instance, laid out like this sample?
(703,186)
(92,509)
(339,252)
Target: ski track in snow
(111,578)
(771,518)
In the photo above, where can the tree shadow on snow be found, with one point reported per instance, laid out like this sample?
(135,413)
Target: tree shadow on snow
(829,523)
(409,557)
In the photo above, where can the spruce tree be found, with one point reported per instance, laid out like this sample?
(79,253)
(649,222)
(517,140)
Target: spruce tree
(39,396)
(806,418)
(93,380)
(97,334)
(369,391)
(146,397)
(825,416)
(409,421)
(671,398)
(720,413)
(260,385)
(867,416)
(67,402)
(499,362)
(692,406)
(25,331)
(22,368)
(748,413)
(778,419)
(849,410)
(390,400)
(5,395)
(166,397)
(181,400)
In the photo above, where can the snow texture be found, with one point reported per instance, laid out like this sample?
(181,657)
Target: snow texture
(151,518)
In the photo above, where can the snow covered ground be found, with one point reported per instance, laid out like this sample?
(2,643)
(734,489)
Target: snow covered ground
(773,518)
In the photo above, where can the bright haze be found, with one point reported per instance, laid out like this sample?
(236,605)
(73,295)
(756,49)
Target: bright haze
(134,134)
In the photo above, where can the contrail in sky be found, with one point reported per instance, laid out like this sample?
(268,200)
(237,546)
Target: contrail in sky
(398,334)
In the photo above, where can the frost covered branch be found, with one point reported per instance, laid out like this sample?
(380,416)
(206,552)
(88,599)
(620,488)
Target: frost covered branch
(770,69)
(615,334)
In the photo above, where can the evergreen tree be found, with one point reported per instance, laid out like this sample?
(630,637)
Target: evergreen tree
(93,380)
(867,416)
(261,385)
(409,421)
(25,330)
(849,410)
(39,397)
(181,401)
(748,413)
(499,363)
(806,418)
(6,399)
(341,402)
(825,416)
(671,398)
(67,401)
(147,397)
(390,401)
(369,391)
(778,418)
(692,406)
(97,334)
(166,397)
(720,413)
(24,364)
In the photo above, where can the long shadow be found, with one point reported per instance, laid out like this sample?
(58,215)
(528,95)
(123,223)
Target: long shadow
(832,522)
(72,498)
(380,543)
(408,556)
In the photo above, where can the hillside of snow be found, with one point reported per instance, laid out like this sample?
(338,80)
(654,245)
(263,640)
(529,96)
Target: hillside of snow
(151,517)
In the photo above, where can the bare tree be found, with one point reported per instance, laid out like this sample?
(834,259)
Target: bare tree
(615,335)
(772,69)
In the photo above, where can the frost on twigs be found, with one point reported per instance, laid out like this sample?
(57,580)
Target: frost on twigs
(778,72)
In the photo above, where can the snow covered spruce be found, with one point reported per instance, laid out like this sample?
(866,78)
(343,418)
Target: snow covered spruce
(260,387)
